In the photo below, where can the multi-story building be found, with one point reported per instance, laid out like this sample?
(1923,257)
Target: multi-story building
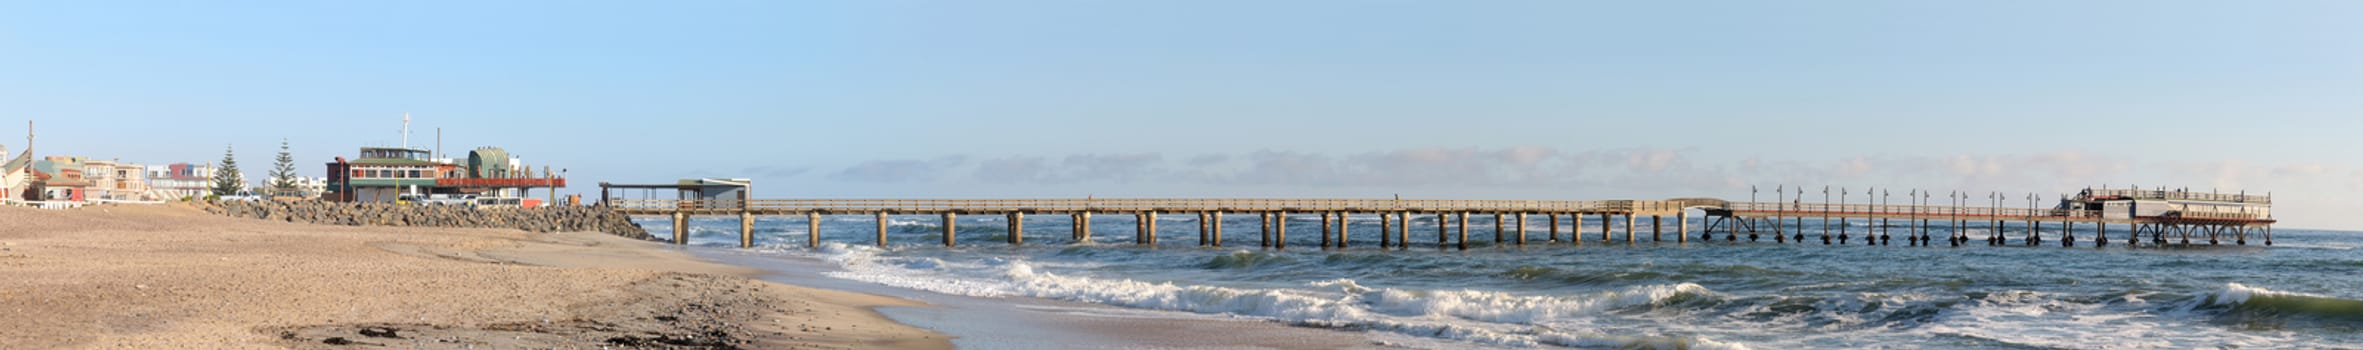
(181,180)
(382,174)
(113,180)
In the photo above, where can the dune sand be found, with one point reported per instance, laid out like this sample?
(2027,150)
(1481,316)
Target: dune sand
(156,277)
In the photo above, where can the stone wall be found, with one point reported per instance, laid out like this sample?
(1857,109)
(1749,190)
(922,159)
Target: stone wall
(548,219)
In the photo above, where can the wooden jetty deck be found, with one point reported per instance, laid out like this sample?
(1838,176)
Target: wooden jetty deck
(1784,221)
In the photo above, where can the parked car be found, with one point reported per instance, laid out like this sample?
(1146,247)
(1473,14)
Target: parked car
(241,196)
(450,199)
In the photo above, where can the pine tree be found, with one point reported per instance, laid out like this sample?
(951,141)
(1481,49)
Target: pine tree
(283,172)
(226,180)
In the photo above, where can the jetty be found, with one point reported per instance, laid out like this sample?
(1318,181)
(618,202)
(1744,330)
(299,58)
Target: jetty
(2164,216)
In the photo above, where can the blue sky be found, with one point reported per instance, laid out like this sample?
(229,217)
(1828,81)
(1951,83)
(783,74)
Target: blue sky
(1493,99)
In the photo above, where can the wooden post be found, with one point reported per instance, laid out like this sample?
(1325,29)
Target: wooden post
(1149,228)
(1386,233)
(680,227)
(812,229)
(1521,229)
(1083,228)
(882,229)
(1464,230)
(951,229)
(1017,228)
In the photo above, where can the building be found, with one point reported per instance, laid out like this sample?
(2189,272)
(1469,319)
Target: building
(383,174)
(181,180)
(2123,204)
(305,187)
(58,178)
(114,180)
(16,175)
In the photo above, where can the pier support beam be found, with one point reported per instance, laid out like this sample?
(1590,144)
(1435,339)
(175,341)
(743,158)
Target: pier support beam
(1266,218)
(1386,233)
(1325,230)
(1202,229)
(1280,231)
(1682,228)
(1443,226)
(746,229)
(881,229)
(1342,235)
(1149,228)
(1607,234)
(1217,216)
(812,230)
(1463,223)
(1656,232)
(680,227)
(951,229)
(1575,228)
(1554,227)
(1402,230)
(1017,228)
(1629,236)
(2099,235)
(1083,228)
(1521,229)
(1497,229)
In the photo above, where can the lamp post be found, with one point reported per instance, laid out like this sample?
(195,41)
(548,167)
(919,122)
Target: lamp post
(1842,223)
(1912,199)
(1884,195)
(1825,215)
(1780,209)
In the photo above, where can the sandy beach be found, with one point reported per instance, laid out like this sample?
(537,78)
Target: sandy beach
(155,277)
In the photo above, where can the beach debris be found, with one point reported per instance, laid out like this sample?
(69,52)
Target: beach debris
(380,332)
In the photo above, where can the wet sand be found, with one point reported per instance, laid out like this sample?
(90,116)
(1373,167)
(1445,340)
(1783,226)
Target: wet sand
(1032,323)
(155,277)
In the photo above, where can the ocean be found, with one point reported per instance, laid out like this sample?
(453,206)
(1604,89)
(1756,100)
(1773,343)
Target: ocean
(2303,292)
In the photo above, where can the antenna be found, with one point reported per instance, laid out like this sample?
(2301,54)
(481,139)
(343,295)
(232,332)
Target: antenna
(405,129)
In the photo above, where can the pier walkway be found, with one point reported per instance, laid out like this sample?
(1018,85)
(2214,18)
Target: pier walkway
(1785,222)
